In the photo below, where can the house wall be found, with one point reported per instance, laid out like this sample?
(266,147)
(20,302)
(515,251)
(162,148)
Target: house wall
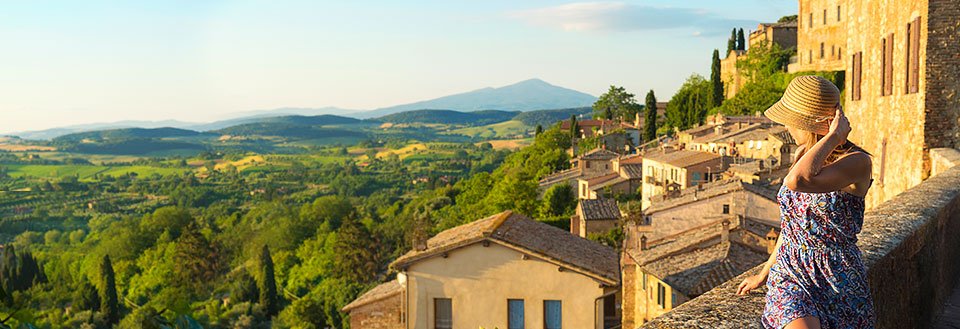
(743,203)
(382,314)
(479,280)
(594,168)
(642,298)
(811,33)
(597,226)
(785,37)
(731,77)
(891,127)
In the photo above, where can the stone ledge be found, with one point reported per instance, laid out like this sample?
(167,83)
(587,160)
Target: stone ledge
(911,250)
(942,159)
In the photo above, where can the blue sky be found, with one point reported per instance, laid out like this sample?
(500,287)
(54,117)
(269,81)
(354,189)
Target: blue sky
(71,62)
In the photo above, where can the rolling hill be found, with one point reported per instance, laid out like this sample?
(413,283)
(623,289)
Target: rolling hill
(128,133)
(476,118)
(533,94)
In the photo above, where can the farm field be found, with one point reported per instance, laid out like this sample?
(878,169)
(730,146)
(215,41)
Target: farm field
(84,171)
(497,130)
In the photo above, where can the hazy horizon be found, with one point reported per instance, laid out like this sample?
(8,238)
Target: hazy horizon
(97,61)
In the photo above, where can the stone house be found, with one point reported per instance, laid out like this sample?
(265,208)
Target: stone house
(378,308)
(782,34)
(821,36)
(667,171)
(660,275)
(733,81)
(501,270)
(695,205)
(595,216)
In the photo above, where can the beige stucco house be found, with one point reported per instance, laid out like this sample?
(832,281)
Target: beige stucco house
(497,271)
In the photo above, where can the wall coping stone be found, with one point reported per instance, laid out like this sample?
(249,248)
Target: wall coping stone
(911,251)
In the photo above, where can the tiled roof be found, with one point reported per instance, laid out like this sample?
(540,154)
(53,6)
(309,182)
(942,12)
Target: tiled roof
(599,154)
(681,158)
(728,130)
(632,171)
(601,179)
(631,159)
(539,239)
(560,176)
(384,290)
(709,190)
(751,133)
(599,209)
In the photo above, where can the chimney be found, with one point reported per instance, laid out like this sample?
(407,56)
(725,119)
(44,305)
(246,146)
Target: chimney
(725,230)
(643,242)
(772,241)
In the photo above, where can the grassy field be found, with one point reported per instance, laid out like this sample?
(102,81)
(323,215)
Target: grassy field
(84,172)
(510,144)
(246,162)
(497,130)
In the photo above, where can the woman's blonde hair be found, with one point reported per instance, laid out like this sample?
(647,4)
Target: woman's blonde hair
(839,151)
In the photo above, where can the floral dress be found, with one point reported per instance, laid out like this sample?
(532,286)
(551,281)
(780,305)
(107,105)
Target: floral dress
(818,271)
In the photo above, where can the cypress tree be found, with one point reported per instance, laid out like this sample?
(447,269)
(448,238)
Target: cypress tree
(732,42)
(109,303)
(539,130)
(650,120)
(574,127)
(741,42)
(268,284)
(716,84)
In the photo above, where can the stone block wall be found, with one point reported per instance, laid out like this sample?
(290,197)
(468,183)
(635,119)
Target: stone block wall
(812,31)
(942,74)
(910,250)
(383,314)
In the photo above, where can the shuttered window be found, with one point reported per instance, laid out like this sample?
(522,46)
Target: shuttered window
(515,314)
(552,314)
(913,57)
(857,73)
(887,66)
(442,313)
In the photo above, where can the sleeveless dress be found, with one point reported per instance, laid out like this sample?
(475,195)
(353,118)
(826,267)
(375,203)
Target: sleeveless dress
(818,271)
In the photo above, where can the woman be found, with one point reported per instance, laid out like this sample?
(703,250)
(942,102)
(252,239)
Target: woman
(815,277)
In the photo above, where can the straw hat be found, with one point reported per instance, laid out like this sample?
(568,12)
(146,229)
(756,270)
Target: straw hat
(809,103)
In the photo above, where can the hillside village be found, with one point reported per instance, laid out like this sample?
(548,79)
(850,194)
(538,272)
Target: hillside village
(693,208)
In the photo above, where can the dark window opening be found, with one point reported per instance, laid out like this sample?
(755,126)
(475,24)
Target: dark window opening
(726,209)
(442,313)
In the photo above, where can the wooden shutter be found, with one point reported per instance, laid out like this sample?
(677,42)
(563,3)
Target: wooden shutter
(888,65)
(857,73)
(883,67)
(913,66)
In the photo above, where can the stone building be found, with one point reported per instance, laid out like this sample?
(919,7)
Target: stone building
(695,205)
(595,216)
(821,36)
(502,267)
(379,308)
(733,81)
(661,274)
(668,171)
(783,35)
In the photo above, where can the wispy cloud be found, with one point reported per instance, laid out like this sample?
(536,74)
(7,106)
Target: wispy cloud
(620,16)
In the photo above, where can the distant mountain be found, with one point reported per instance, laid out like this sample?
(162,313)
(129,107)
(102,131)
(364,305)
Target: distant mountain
(476,118)
(52,133)
(292,111)
(533,94)
(127,133)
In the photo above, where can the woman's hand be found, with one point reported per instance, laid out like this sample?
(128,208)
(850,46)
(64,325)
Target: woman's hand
(750,283)
(840,126)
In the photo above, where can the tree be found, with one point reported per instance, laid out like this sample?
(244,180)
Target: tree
(741,42)
(109,303)
(616,103)
(85,297)
(732,42)
(558,200)
(574,127)
(244,288)
(689,105)
(268,284)
(716,85)
(539,130)
(198,260)
(355,259)
(650,120)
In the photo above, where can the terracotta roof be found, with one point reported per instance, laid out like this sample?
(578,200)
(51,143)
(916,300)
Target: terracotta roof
(697,271)
(380,292)
(633,171)
(599,154)
(559,177)
(709,190)
(631,159)
(599,209)
(681,158)
(601,179)
(751,133)
(538,239)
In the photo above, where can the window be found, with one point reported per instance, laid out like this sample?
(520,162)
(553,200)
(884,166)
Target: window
(644,275)
(887,66)
(809,56)
(587,164)
(913,56)
(883,161)
(515,313)
(673,298)
(442,313)
(696,177)
(810,20)
(726,209)
(821,50)
(833,51)
(838,13)
(552,314)
(661,295)
(824,17)
(857,72)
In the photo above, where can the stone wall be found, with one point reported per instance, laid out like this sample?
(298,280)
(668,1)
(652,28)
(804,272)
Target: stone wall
(812,32)
(942,74)
(733,81)
(911,252)
(382,314)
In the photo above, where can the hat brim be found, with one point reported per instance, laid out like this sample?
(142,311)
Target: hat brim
(783,115)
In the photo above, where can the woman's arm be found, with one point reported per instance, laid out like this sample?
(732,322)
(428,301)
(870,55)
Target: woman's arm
(754,281)
(810,174)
